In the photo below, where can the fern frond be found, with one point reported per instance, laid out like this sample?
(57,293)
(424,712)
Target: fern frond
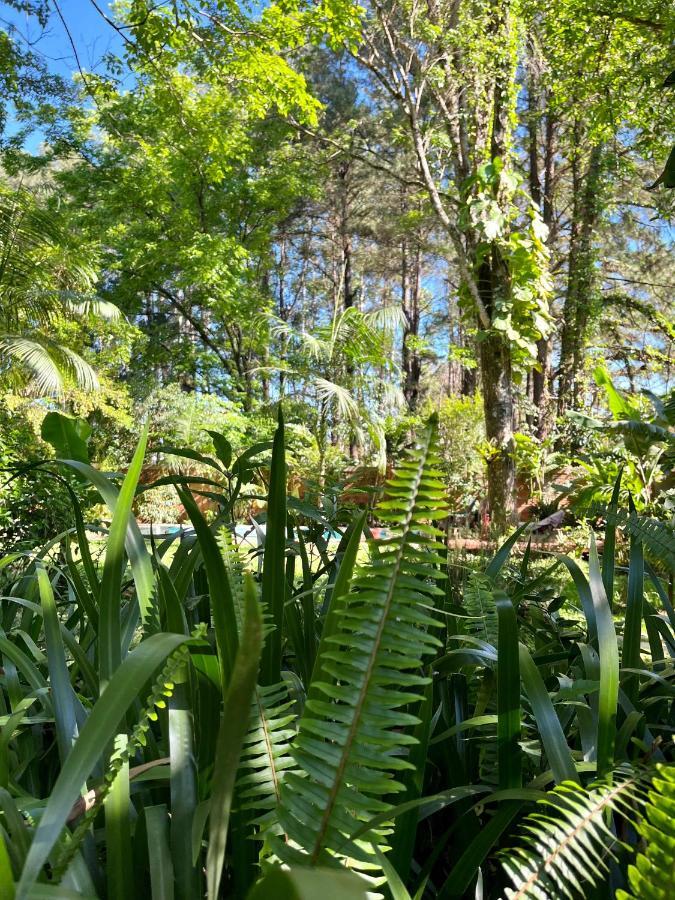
(566,841)
(265,755)
(354,729)
(658,537)
(653,875)
(479,603)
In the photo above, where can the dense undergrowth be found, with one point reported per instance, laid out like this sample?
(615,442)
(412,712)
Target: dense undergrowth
(186,718)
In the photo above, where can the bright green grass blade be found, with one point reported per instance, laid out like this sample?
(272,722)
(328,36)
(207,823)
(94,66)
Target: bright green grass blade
(7,890)
(233,729)
(609,549)
(632,631)
(395,885)
(159,855)
(110,628)
(94,737)
(60,686)
(273,593)
(508,694)
(609,666)
(585,596)
(220,590)
(309,884)
(496,564)
(139,558)
(548,723)
(118,867)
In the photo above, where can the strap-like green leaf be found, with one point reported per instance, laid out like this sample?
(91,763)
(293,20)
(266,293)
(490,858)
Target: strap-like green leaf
(94,737)
(231,735)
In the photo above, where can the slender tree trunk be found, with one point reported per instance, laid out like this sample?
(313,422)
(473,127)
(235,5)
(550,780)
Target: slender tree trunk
(497,383)
(495,350)
(348,287)
(410,296)
(542,370)
(581,275)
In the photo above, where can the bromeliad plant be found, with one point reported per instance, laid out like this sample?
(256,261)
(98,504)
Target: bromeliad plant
(172,725)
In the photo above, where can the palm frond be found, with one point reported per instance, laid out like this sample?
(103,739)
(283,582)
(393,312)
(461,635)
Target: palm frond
(386,318)
(353,732)
(94,307)
(333,393)
(566,842)
(45,373)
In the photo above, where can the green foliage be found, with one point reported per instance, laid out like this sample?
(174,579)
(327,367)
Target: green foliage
(651,876)
(67,435)
(566,843)
(460,434)
(346,745)
(519,690)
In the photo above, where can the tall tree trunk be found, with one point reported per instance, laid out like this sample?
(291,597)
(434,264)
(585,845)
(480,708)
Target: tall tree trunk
(495,350)
(542,370)
(410,299)
(497,383)
(581,275)
(348,287)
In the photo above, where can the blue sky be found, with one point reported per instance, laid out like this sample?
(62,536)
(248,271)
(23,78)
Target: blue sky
(91,35)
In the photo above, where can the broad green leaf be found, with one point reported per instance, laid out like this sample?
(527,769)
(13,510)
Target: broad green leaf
(609,666)
(508,694)
(67,435)
(110,626)
(96,734)
(233,729)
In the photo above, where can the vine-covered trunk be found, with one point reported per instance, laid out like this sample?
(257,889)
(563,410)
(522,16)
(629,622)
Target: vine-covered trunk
(497,383)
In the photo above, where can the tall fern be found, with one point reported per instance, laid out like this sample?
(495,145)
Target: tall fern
(566,842)
(265,755)
(351,735)
(653,875)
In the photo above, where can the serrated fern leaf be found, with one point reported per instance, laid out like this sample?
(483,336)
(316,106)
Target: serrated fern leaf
(265,755)
(653,875)
(352,735)
(479,603)
(566,841)
(657,536)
